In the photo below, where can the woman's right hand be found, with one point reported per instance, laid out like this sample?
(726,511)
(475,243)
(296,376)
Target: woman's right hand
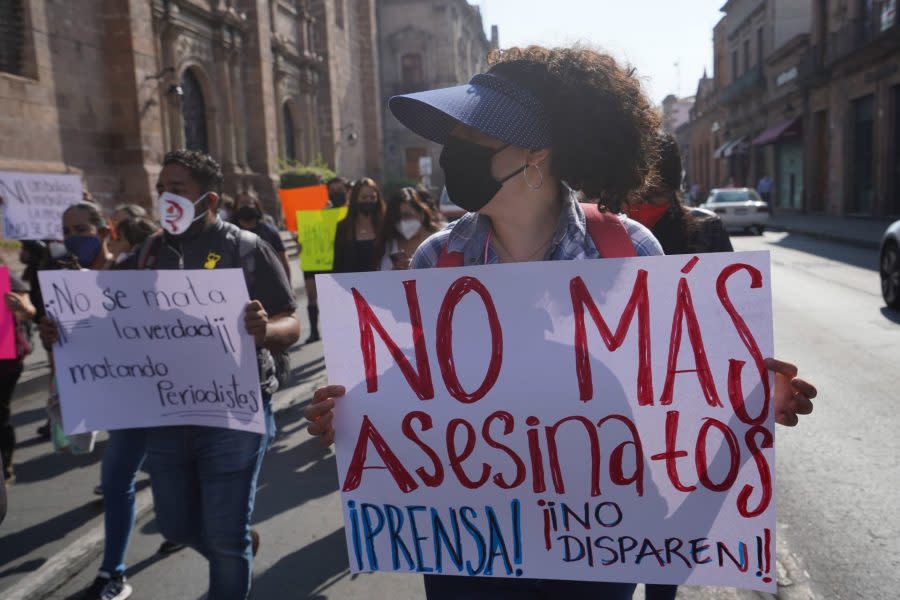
(49,332)
(320,412)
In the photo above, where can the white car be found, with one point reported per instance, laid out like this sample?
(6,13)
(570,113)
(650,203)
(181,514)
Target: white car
(739,208)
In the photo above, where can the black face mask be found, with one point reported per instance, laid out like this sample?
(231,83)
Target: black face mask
(467,173)
(366,209)
(248,213)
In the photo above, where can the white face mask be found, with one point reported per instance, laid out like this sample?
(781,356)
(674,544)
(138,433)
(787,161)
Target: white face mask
(177,213)
(409,227)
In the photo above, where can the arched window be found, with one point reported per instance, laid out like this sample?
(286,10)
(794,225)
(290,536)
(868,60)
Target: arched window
(193,113)
(12,37)
(290,148)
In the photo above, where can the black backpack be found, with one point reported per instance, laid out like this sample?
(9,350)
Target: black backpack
(246,246)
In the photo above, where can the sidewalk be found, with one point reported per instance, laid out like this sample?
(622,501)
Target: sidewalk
(858,231)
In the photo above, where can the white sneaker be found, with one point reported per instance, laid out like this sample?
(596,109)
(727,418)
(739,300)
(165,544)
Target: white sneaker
(117,589)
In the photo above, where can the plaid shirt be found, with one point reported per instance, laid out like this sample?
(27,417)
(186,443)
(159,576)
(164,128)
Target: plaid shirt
(571,241)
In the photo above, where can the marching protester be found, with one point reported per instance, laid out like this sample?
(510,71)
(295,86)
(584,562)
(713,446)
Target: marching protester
(354,242)
(517,141)
(407,223)
(249,216)
(204,478)
(130,233)
(19,304)
(679,229)
(337,192)
(337,197)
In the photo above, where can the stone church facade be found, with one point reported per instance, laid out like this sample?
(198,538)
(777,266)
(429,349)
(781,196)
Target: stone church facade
(105,87)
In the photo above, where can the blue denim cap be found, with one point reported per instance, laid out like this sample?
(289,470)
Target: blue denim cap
(490,104)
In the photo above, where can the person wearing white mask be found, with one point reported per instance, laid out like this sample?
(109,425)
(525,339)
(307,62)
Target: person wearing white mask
(204,478)
(407,223)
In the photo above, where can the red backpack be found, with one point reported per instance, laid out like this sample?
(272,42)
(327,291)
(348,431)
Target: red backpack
(605,228)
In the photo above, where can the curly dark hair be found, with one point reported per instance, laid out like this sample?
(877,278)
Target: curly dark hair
(204,169)
(668,167)
(603,126)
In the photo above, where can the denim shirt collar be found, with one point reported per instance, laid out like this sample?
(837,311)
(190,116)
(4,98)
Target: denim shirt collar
(471,232)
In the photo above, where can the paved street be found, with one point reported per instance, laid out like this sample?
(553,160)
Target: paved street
(837,473)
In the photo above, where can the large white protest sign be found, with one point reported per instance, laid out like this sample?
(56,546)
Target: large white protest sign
(33,203)
(605,420)
(153,348)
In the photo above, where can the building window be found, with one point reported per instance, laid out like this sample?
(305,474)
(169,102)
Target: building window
(863,158)
(193,113)
(12,37)
(412,74)
(734,65)
(290,147)
(759,47)
(746,55)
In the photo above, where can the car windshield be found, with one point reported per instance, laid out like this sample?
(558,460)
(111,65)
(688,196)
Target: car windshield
(735,196)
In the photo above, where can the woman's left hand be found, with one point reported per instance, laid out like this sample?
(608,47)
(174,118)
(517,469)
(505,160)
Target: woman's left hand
(793,396)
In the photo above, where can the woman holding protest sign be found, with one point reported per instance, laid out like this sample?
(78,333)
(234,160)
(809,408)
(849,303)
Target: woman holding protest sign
(354,242)
(407,223)
(517,141)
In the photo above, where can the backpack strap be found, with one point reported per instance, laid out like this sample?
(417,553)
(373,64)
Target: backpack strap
(605,228)
(450,259)
(246,251)
(608,232)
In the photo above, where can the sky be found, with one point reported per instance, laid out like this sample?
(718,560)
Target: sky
(652,35)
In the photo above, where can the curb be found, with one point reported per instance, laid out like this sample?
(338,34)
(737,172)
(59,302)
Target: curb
(67,563)
(831,237)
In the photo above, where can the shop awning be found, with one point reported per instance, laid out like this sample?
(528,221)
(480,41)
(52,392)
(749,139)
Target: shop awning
(738,146)
(720,151)
(776,132)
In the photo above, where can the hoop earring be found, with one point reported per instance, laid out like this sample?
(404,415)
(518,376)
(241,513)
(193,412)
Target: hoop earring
(525,176)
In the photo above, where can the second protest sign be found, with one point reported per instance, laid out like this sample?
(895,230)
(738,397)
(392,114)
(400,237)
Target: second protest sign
(153,348)
(605,420)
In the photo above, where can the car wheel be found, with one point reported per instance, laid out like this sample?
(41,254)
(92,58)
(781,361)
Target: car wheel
(890,275)
(760,229)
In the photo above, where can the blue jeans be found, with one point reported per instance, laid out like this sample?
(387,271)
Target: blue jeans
(447,587)
(122,459)
(204,486)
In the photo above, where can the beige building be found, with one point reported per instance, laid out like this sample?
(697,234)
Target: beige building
(425,44)
(105,87)
(808,92)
